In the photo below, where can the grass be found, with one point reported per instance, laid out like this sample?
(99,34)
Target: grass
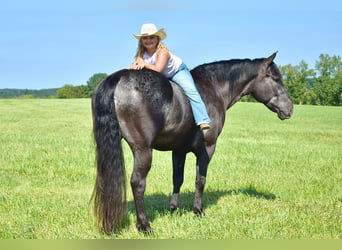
(268,179)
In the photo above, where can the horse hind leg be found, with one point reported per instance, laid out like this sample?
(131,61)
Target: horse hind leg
(202,162)
(200,183)
(142,165)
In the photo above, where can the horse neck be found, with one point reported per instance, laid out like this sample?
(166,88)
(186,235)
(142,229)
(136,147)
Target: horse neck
(231,79)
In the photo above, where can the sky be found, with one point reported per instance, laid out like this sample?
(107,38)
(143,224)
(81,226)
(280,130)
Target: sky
(48,44)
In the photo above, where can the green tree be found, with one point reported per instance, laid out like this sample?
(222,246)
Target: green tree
(297,80)
(69,91)
(94,81)
(328,85)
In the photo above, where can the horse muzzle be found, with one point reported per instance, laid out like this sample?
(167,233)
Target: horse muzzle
(283,108)
(286,111)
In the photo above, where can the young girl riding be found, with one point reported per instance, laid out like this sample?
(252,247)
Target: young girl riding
(153,54)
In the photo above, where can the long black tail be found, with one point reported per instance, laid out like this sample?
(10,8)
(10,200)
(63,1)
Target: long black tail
(109,194)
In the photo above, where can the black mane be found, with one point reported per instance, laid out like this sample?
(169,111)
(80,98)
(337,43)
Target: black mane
(231,70)
(229,63)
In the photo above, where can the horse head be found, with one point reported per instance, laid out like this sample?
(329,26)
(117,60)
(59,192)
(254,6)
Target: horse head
(269,89)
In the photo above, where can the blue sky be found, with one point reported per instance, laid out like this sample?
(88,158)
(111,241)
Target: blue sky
(47,44)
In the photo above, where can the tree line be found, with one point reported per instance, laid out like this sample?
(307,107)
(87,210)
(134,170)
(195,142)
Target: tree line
(321,85)
(28,93)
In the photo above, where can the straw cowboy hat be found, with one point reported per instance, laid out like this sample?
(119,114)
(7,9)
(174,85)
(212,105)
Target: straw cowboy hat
(149,29)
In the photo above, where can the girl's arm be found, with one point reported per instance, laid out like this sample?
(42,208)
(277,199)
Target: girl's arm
(161,60)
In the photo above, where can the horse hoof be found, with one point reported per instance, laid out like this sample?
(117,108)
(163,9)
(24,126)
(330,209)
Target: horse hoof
(198,211)
(174,204)
(145,229)
(148,231)
(173,209)
(176,211)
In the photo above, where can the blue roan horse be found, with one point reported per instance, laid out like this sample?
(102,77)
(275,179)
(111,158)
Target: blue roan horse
(149,112)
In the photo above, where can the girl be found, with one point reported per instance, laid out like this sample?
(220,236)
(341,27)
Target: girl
(153,54)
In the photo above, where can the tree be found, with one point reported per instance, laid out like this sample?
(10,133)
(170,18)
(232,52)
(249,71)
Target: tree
(328,85)
(306,77)
(94,81)
(297,80)
(305,87)
(328,66)
(69,91)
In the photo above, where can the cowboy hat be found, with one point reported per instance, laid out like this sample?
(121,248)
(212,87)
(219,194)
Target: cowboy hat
(149,29)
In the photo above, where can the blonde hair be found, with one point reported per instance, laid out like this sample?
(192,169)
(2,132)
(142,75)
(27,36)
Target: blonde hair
(141,49)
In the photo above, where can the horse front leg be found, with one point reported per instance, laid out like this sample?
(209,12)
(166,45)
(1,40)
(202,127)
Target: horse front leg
(142,165)
(178,160)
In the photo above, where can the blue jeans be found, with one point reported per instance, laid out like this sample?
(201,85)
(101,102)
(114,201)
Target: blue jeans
(184,79)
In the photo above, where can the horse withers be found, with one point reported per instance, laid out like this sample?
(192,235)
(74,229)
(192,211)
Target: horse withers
(145,109)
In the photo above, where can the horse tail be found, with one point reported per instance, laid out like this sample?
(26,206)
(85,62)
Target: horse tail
(109,195)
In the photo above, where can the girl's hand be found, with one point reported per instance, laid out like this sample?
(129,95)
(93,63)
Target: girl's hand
(138,64)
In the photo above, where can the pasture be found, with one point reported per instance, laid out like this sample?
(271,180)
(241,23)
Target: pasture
(268,179)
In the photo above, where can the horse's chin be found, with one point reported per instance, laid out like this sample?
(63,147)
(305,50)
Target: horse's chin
(283,111)
(283,116)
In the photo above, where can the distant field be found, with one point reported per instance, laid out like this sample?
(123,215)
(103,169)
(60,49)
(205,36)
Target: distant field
(269,179)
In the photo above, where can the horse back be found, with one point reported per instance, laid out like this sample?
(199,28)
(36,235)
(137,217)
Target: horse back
(152,111)
(142,94)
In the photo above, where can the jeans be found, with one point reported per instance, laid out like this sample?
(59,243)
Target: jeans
(184,79)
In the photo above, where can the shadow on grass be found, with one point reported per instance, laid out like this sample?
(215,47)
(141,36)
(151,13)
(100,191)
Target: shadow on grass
(158,204)
(251,191)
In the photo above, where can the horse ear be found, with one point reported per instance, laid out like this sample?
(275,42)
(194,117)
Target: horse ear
(266,63)
(270,59)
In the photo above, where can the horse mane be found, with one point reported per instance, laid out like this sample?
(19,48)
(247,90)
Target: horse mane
(231,61)
(231,70)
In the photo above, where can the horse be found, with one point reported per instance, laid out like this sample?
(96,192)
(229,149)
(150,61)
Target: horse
(149,112)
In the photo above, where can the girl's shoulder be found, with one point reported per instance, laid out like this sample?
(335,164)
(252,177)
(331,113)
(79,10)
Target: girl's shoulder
(163,51)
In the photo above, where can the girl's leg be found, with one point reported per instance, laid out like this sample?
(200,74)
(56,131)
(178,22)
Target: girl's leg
(184,79)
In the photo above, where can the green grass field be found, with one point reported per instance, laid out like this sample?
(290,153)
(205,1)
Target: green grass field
(268,179)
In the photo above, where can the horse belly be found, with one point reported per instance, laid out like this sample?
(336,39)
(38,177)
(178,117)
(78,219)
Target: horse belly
(165,143)
(179,127)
